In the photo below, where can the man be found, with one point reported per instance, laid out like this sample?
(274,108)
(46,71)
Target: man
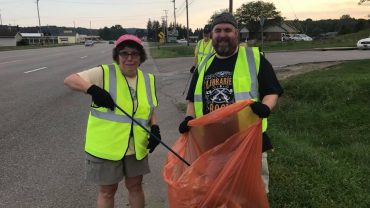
(231,74)
(203,48)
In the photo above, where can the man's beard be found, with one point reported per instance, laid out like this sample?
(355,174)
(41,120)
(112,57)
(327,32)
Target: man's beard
(225,46)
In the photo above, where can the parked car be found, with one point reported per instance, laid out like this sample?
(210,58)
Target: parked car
(182,41)
(301,37)
(364,43)
(111,42)
(286,37)
(89,43)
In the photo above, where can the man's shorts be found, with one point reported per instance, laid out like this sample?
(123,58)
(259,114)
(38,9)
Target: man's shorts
(108,172)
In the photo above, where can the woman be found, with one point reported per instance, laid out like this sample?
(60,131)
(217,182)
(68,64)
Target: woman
(115,146)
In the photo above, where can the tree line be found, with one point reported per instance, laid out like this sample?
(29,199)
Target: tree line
(250,15)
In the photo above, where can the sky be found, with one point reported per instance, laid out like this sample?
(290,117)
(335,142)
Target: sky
(97,14)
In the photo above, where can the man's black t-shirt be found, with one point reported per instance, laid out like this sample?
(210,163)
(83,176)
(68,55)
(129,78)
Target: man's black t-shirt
(218,79)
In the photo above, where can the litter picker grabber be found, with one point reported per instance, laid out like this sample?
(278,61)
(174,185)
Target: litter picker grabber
(187,83)
(155,137)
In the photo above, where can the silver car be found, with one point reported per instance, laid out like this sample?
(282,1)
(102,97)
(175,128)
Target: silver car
(89,43)
(363,43)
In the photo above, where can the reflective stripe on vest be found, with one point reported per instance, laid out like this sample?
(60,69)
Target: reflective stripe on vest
(245,78)
(108,131)
(110,115)
(204,51)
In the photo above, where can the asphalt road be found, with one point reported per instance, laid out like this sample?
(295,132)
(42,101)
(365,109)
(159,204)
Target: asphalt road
(43,123)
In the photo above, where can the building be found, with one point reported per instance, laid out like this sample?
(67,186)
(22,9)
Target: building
(244,34)
(67,37)
(274,32)
(7,36)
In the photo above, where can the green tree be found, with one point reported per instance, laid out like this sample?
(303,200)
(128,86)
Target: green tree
(249,15)
(111,33)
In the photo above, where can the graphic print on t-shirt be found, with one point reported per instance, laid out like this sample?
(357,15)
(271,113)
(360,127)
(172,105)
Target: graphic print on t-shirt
(218,90)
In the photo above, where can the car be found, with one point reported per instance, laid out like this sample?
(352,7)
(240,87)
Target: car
(182,41)
(301,37)
(111,42)
(364,43)
(286,37)
(89,43)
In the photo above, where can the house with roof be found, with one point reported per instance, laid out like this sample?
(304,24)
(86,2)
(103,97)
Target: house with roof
(7,35)
(244,34)
(274,32)
(35,39)
(67,37)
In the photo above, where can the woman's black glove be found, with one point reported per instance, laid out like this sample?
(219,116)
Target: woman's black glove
(192,69)
(184,125)
(153,143)
(262,110)
(101,97)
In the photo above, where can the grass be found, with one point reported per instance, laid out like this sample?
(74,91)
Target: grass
(320,130)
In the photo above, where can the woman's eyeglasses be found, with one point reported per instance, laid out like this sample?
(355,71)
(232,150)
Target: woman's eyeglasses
(125,54)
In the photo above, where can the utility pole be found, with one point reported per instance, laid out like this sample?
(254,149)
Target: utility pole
(262,21)
(174,13)
(187,21)
(164,25)
(38,13)
(165,11)
(231,6)
(1,20)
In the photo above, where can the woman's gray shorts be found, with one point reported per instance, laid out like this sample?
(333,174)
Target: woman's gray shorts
(108,172)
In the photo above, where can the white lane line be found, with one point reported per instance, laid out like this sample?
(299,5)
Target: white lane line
(83,57)
(33,70)
(7,62)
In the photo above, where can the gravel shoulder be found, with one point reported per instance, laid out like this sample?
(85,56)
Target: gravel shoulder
(292,70)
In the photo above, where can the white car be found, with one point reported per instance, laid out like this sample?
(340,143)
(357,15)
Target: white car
(286,37)
(182,41)
(363,43)
(89,43)
(301,37)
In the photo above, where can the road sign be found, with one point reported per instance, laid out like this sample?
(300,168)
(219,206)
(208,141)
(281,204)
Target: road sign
(161,35)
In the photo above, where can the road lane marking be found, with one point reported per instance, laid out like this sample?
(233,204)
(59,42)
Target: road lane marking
(7,62)
(33,70)
(83,57)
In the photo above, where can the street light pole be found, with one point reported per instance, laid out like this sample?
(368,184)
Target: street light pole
(38,13)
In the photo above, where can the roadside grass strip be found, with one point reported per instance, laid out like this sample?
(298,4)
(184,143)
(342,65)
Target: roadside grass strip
(321,133)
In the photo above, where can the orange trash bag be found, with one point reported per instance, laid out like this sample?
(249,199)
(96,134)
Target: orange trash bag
(224,150)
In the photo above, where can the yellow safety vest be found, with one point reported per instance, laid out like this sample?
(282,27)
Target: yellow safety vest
(245,82)
(108,132)
(203,50)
